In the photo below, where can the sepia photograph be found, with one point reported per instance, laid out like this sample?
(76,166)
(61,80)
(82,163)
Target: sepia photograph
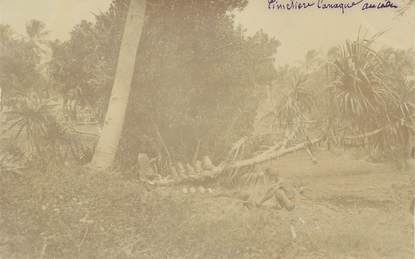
(228,129)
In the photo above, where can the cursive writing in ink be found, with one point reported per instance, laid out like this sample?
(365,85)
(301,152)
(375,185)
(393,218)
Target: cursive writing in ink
(292,5)
(380,5)
(322,5)
(342,5)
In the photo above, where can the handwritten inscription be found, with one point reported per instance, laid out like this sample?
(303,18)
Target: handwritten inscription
(363,5)
(380,5)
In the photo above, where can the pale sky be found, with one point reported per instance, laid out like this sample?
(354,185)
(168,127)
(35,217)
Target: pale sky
(298,31)
(59,15)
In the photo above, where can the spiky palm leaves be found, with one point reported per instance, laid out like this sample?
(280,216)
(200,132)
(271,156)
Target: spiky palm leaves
(294,103)
(366,98)
(12,160)
(35,128)
(402,111)
(36,30)
(358,88)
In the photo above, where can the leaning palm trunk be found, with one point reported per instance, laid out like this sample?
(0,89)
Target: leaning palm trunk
(114,119)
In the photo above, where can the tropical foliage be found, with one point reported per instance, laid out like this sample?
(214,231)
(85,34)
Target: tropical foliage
(199,81)
(31,115)
(371,94)
(197,88)
(197,77)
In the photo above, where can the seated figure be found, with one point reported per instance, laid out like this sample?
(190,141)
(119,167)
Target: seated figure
(283,195)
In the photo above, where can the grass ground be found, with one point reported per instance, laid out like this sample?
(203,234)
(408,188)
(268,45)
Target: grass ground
(349,208)
(353,208)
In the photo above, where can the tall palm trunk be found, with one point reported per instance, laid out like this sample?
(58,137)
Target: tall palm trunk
(108,142)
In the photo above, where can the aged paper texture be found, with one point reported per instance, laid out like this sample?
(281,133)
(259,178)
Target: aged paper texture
(207,129)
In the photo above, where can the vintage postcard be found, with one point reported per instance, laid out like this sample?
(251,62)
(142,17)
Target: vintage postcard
(207,129)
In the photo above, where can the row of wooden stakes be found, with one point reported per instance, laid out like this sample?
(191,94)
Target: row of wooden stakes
(187,170)
(177,173)
(199,189)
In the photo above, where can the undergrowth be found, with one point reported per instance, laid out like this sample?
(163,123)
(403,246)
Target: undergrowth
(70,213)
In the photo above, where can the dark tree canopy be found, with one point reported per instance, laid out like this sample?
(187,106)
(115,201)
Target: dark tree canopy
(197,74)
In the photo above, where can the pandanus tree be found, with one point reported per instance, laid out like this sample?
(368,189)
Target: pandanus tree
(358,88)
(295,101)
(370,102)
(114,120)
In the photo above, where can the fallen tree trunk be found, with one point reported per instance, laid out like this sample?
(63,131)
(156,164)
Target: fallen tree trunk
(364,135)
(263,157)
(374,132)
(272,155)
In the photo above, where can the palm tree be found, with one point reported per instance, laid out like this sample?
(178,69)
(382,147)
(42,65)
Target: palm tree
(37,38)
(359,90)
(295,100)
(6,36)
(296,103)
(108,142)
(36,30)
(369,100)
